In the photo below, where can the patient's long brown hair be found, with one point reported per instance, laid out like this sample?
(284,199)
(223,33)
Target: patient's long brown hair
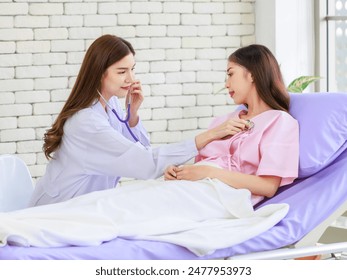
(102,53)
(266,73)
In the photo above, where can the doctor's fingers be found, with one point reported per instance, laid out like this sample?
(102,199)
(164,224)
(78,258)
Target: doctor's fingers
(239,123)
(226,129)
(235,125)
(136,100)
(136,87)
(136,95)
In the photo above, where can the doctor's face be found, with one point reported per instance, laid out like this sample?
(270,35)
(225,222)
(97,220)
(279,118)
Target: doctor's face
(118,78)
(239,82)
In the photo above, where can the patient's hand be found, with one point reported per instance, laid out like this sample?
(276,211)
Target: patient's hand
(170,173)
(186,172)
(192,172)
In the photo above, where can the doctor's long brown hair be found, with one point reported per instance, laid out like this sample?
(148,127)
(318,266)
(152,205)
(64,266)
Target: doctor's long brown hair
(102,53)
(266,74)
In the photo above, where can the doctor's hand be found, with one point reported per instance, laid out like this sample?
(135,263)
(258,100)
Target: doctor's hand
(136,98)
(224,130)
(229,128)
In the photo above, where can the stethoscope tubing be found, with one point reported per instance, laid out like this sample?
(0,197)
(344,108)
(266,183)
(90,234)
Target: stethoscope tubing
(125,121)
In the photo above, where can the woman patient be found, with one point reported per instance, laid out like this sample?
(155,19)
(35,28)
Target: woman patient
(263,154)
(205,206)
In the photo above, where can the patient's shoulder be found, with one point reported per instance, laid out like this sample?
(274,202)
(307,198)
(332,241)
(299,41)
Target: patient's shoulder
(279,116)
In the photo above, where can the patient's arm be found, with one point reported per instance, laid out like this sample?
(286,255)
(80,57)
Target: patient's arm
(258,185)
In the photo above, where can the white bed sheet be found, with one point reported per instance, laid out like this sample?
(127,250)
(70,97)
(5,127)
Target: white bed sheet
(202,216)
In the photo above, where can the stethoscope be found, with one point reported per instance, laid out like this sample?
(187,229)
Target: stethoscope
(249,125)
(126,120)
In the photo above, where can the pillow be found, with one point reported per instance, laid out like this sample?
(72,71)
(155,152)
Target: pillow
(322,119)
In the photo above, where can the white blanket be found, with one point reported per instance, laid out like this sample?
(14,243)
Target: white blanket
(202,216)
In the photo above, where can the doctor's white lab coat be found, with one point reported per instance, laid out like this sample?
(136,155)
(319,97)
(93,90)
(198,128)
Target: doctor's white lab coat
(97,150)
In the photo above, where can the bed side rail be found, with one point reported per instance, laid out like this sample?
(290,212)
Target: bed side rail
(294,253)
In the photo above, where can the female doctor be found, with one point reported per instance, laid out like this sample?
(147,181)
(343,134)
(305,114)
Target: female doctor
(92,143)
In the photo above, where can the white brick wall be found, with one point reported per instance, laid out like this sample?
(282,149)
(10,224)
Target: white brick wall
(181,50)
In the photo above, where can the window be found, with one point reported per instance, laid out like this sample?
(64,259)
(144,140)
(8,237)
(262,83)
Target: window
(333,45)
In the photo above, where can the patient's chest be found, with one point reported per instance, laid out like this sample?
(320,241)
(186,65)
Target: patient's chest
(240,152)
(234,154)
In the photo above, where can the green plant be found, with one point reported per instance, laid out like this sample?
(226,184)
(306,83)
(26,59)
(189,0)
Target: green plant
(300,83)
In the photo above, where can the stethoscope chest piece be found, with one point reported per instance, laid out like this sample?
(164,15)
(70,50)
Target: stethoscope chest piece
(249,125)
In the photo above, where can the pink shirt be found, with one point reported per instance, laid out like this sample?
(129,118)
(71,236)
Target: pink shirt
(271,147)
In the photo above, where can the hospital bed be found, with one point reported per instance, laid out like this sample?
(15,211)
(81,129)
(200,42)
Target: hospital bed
(316,199)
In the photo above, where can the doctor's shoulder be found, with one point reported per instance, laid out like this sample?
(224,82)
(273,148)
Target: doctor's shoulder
(86,120)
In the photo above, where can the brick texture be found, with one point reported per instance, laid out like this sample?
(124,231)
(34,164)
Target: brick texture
(181,50)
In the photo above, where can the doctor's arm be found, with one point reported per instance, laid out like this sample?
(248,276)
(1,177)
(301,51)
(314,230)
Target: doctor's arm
(148,163)
(228,128)
(110,153)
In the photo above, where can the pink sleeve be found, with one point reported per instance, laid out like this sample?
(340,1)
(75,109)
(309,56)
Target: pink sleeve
(279,150)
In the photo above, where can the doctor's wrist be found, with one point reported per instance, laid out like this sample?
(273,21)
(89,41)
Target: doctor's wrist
(202,139)
(134,120)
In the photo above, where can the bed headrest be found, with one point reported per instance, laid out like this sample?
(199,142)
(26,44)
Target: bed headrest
(323,128)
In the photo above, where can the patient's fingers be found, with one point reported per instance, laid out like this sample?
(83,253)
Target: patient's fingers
(191,172)
(179,172)
(169,178)
(170,173)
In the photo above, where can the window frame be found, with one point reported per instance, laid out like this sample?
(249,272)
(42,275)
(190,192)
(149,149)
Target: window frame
(325,44)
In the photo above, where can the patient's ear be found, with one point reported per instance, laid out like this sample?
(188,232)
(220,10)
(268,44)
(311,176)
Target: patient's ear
(249,76)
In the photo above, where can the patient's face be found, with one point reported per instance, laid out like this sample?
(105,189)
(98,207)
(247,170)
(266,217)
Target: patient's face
(239,82)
